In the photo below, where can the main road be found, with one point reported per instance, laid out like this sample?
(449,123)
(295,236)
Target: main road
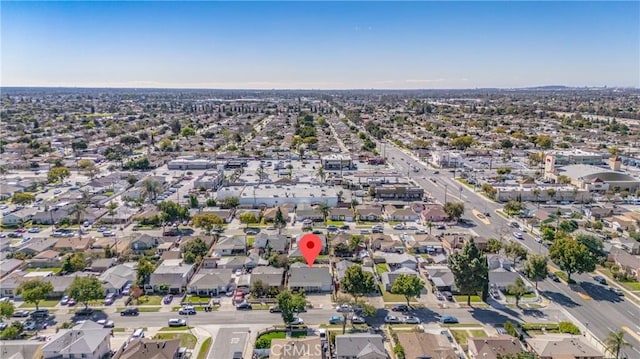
(589,302)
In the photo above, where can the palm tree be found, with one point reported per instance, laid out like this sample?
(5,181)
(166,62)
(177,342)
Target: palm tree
(111,207)
(260,173)
(150,189)
(324,209)
(78,209)
(536,193)
(615,342)
(321,173)
(430,226)
(551,193)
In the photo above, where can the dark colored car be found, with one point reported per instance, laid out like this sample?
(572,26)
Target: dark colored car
(130,312)
(21,314)
(244,306)
(554,277)
(400,308)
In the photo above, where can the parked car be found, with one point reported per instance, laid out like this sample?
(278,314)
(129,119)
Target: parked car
(71,302)
(109,299)
(600,279)
(400,308)
(518,235)
(176,322)
(358,320)
(40,314)
(130,312)
(343,308)
(106,323)
(392,319)
(187,310)
(448,319)
(167,299)
(34,230)
(616,291)
(411,320)
(332,228)
(297,321)
(336,319)
(30,325)
(3,325)
(275,309)
(244,306)
(21,313)
(554,277)
(442,226)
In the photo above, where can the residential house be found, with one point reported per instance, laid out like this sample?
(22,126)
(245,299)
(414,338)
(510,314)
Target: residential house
(210,282)
(123,215)
(87,340)
(360,346)
(441,278)
(401,214)
(275,243)
(20,349)
(296,348)
(174,273)
(295,252)
(312,214)
(143,348)
(51,216)
(341,214)
(38,245)
(116,278)
(454,241)
(554,346)
(426,246)
(627,262)
(9,265)
(493,347)
(144,242)
(369,213)
(225,214)
(46,259)
(384,243)
(75,243)
(310,279)
(229,246)
(270,213)
(59,283)
(100,265)
(425,345)
(342,266)
(19,217)
(388,278)
(271,277)
(434,213)
(404,260)
(10,283)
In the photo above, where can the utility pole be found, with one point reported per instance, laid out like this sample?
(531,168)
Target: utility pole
(445,192)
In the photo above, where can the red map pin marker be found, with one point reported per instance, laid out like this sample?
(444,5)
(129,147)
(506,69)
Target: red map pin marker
(310,245)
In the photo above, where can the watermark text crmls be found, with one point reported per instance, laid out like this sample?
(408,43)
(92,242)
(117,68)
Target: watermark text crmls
(296,349)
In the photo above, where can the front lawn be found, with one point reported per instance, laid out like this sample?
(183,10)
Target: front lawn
(382,268)
(260,306)
(335,223)
(250,240)
(42,304)
(463,299)
(394,298)
(174,329)
(186,339)
(461,336)
(199,308)
(142,309)
(477,333)
(150,300)
(264,341)
(197,299)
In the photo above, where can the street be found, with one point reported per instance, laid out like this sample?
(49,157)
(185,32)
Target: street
(599,310)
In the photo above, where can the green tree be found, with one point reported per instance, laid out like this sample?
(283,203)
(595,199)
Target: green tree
(408,286)
(230,202)
(150,189)
(34,291)
(187,132)
(494,245)
(86,289)
(193,201)
(462,142)
(595,244)
(544,141)
(571,256)
(290,304)
(357,282)
(58,174)
(248,218)
(518,289)
(470,270)
(279,220)
(520,355)
(320,172)
(197,248)
(173,211)
(22,198)
(454,210)
(615,343)
(129,141)
(515,251)
(144,269)
(6,309)
(535,268)
(11,332)
(111,210)
(548,234)
(259,289)
(207,221)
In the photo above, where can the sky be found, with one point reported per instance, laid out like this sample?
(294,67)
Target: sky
(319,45)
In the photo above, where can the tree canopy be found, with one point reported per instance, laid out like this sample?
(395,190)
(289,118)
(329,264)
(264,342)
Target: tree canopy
(358,282)
(571,256)
(408,286)
(58,174)
(470,270)
(21,198)
(535,268)
(34,291)
(86,289)
(289,304)
(207,221)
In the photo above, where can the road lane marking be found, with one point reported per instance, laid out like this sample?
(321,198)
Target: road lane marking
(631,332)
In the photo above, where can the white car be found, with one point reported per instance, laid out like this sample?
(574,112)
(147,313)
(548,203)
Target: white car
(297,321)
(518,235)
(411,320)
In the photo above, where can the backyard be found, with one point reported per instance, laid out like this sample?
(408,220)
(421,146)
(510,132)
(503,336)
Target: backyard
(186,339)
